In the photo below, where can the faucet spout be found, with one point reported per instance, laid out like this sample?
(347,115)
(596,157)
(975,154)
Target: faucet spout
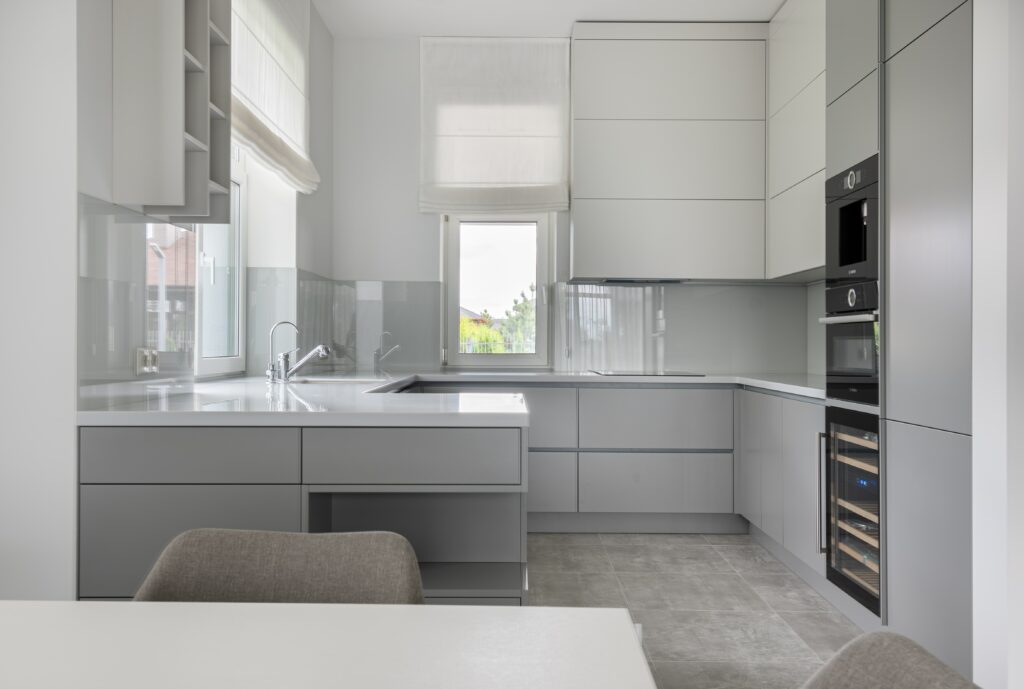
(318,352)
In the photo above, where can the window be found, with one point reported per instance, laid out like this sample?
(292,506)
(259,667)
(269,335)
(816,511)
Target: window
(220,290)
(497,275)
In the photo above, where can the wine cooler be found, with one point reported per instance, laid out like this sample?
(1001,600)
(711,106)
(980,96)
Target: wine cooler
(854,516)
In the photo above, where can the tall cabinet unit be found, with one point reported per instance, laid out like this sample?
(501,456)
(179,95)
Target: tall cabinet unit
(171,94)
(795,238)
(668,151)
(928,175)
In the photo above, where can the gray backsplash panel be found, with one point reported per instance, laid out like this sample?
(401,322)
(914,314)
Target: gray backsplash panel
(271,296)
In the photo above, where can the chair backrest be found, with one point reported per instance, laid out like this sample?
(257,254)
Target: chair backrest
(883,660)
(226,565)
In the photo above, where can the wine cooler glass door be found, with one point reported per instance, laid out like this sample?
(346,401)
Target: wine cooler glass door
(854,544)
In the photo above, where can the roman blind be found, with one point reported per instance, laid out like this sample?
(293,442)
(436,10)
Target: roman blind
(494,124)
(269,81)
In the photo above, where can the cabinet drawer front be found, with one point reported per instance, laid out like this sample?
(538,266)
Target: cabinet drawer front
(653,79)
(552,478)
(469,456)
(439,600)
(634,159)
(189,455)
(656,482)
(123,529)
(552,411)
(671,419)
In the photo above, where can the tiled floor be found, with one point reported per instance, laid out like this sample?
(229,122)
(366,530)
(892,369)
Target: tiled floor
(718,612)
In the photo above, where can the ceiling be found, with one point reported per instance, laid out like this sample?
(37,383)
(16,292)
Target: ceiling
(359,18)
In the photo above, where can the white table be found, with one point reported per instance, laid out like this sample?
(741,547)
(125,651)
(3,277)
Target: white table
(115,645)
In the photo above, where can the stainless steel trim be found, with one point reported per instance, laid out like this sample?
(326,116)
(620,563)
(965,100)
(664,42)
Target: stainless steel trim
(820,518)
(853,318)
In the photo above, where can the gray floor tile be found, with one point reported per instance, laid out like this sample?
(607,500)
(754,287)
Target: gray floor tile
(720,636)
(704,675)
(563,539)
(728,539)
(567,558)
(751,558)
(663,591)
(575,590)
(692,559)
(786,592)
(825,632)
(652,539)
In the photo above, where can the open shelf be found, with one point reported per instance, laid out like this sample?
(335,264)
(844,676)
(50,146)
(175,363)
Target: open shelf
(216,113)
(194,144)
(863,442)
(217,37)
(216,188)
(472,579)
(192,63)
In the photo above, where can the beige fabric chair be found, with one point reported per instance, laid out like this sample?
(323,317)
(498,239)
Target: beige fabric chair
(883,660)
(224,565)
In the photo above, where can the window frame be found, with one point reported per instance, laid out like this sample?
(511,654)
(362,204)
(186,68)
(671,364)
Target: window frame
(209,367)
(450,355)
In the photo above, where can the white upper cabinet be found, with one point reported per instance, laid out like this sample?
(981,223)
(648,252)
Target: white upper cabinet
(851,43)
(796,50)
(668,158)
(659,79)
(796,146)
(796,139)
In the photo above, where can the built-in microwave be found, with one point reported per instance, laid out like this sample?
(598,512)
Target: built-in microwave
(851,224)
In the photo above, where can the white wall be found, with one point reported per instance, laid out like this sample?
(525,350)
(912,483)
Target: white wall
(315,221)
(998,344)
(38,197)
(271,218)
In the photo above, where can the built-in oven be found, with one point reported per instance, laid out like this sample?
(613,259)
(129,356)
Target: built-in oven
(852,346)
(854,515)
(851,224)
(852,340)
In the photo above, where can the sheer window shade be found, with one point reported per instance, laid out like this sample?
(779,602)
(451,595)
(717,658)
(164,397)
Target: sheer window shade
(494,130)
(269,80)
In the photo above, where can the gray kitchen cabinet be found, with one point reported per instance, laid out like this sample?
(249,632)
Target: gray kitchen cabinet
(679,482)
(123,528)
(928,527)
(552,482)
(189,455)
(552,410)
(928,123)
(759,487)
(802,476)
(656,418)
(385,456)
(852,126)
(905,20)
(851,43)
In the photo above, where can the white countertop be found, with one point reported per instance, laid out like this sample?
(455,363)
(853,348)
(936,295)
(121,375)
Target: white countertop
(118,645)
(345,400)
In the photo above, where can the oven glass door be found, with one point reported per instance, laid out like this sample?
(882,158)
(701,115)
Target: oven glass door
(852,360)
(854,506)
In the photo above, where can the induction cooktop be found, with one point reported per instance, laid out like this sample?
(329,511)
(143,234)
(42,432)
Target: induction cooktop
(605,372)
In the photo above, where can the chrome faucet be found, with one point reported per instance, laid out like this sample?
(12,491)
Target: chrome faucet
(280,370)
(379,355)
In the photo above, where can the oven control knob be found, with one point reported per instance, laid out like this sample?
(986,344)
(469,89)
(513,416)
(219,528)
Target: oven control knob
(851,298)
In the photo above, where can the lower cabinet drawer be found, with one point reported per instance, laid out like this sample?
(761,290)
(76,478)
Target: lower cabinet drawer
(552,482)
(123,529)
(655,482)
(464,456)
